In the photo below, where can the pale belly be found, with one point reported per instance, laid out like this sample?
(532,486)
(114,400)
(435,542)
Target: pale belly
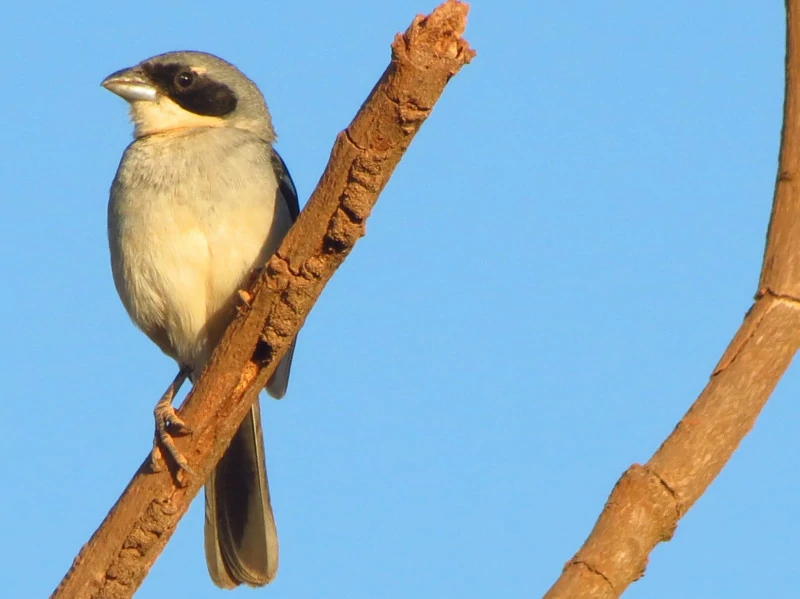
(181,252)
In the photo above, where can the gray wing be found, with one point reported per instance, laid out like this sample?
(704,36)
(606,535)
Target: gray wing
(286,186)
(287,192)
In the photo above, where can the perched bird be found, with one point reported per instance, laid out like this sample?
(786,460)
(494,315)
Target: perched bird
(199,200)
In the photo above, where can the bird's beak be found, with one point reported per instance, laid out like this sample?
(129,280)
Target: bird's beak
(131,85)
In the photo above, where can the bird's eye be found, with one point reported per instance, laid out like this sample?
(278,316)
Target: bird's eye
(184,79)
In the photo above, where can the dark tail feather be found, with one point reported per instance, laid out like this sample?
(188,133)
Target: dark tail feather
(241,540)
(279,381)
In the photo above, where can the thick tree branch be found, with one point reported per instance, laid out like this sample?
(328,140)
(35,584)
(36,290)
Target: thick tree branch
(120,553)
(647,502)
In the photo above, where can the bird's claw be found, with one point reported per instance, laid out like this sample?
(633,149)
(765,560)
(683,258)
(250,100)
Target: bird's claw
(169,425)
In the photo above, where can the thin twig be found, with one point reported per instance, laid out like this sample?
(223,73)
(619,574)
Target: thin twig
(647,502)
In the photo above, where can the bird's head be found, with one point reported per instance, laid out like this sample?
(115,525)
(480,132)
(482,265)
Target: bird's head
(184,90)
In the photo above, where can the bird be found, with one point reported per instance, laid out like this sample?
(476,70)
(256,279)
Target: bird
(199,201)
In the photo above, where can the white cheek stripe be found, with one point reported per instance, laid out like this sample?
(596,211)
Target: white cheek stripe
(163,114)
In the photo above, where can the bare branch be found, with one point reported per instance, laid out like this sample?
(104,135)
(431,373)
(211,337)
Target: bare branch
(647,502)
(120,553)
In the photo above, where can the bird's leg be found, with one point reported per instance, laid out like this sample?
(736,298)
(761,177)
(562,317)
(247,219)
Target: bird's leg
(168,424)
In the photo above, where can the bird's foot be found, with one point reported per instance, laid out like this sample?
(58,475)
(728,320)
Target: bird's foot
(169,425)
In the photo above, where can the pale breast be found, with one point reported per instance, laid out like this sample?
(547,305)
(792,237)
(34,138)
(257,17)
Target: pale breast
(190,215)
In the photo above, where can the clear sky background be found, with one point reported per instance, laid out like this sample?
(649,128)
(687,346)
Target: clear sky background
(546,283)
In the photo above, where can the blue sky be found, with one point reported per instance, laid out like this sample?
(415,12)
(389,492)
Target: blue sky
(546,283)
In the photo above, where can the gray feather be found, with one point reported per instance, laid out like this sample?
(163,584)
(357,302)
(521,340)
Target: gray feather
(241,541)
